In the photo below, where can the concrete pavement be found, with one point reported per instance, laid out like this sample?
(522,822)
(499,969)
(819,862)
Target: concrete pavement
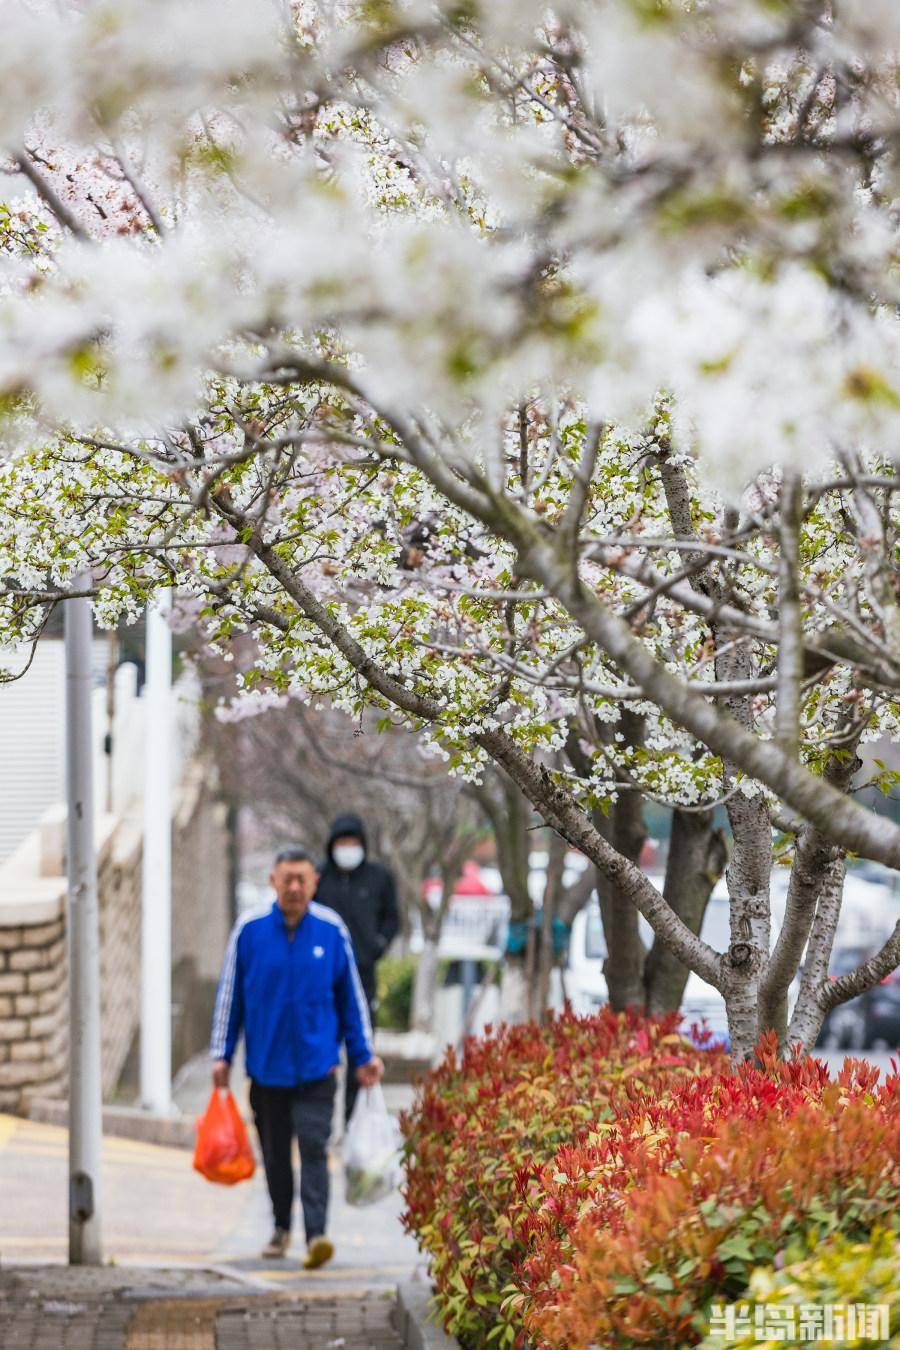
(53,1308)
(158,1211)
(184,1270)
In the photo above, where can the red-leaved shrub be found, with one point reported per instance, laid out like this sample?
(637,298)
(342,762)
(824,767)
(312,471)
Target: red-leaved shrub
(634,1234)
(483,1124)
(601,1181)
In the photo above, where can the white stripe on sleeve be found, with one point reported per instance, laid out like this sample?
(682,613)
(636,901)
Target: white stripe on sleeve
(225,993)
(329,915)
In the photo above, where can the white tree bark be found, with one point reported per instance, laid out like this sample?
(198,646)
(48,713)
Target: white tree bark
(513,993)
(809,1013)
(425,987)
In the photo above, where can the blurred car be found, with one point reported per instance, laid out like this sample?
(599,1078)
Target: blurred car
(586,984)
(871,1021)
(585,981)
(844,1027)
(883,1014)
(701,1002)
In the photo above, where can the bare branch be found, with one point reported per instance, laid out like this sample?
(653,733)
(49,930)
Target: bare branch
(865,977)
(49,196)
(580,490)
(140,191)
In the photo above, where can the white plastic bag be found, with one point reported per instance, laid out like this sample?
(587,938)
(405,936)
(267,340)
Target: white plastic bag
(372,1158)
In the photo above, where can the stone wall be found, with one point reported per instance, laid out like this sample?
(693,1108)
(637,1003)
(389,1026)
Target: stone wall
(119,888)
(201,909)
(33,1012)
(33,985)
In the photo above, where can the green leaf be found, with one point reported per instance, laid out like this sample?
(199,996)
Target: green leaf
(737,1245)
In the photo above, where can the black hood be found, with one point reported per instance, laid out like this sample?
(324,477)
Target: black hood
(347,824)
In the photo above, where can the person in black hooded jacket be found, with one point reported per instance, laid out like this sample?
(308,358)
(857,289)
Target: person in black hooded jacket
(362,893)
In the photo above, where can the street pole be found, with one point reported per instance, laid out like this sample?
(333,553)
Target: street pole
(83,928)
(112,663)
(156,908)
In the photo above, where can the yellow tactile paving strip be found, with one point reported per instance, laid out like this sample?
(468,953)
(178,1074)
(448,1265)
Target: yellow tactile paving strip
(174,1324)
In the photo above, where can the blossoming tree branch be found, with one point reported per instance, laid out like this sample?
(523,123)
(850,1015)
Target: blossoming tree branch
(530,374)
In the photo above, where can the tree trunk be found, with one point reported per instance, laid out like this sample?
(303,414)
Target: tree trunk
(528,973)
(808,1015)
(749,871)
(510,815)
(425,987)
(624,828)
(812,875)
(697,856)
(813,868)
(748,876)
(409,879)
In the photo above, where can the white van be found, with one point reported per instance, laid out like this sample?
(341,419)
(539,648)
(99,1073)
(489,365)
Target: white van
(584,978)
(701,1002)
(586,983)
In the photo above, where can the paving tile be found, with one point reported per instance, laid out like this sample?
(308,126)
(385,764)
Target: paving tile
(48,1318)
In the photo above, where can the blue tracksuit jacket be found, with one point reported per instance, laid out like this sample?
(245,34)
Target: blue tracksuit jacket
(295,998)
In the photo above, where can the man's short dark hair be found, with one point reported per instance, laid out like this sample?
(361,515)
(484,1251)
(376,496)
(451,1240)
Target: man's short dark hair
(296,853)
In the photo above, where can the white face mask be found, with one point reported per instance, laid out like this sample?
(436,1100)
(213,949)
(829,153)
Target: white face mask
(348,856)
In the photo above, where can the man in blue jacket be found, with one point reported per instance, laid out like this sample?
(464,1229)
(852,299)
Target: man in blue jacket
(290,983)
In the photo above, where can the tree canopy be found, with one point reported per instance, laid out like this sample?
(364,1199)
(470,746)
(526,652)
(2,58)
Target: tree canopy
(529,373)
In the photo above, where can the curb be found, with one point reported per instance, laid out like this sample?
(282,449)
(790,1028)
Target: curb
(416,1330)
(128,1122)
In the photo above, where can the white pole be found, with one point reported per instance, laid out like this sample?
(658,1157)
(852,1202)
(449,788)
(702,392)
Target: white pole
(156,910)
(83,928)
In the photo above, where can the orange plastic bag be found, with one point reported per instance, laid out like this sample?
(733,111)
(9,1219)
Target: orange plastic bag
(223,1151)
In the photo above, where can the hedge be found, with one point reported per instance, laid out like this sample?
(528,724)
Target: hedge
(482,1125)
(602,1181)
(396,976)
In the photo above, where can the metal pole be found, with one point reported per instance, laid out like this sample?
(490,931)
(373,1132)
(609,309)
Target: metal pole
(112,663)
(156,909)
(83,928)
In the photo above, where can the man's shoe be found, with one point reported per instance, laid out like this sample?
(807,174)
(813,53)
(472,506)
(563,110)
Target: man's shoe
(319,1251)
(277,1244)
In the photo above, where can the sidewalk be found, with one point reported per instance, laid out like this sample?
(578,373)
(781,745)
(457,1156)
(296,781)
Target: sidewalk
(158,1211)
(54,1308)
(185,1271)
(183,1268)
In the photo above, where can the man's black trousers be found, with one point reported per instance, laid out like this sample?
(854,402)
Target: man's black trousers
(304,1111)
